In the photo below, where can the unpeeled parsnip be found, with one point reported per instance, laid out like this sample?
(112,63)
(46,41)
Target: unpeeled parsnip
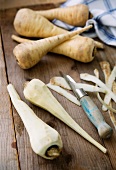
(45,141)
(81,49)
(76,15)
(29,54)
(37,93)
(30,24)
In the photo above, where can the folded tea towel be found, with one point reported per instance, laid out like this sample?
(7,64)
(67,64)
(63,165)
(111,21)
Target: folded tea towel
(104,19)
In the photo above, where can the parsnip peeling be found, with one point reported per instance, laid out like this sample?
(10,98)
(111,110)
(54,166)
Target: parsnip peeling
(109,84)
(107,106)
(105,66)
(60,81)
(96,72)
(64,93)
(95,80)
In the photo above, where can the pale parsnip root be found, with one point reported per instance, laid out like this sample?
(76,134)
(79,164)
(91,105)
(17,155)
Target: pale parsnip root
(81,48)
(21,40)
(29,54)
(30,24)
(76,15)
(43,138)
(37,93)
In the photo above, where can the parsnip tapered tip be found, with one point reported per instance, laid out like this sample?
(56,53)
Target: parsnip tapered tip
(13,36)
(90,26)
(99,45)
(105,151)
(85,28)
(25,84)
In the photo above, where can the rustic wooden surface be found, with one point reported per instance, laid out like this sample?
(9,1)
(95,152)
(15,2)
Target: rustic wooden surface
(77,154)
(6,4)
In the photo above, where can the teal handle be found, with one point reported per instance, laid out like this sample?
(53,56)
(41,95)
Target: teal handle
(96,117)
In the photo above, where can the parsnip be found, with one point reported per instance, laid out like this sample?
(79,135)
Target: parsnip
(37,93)
(21,40)
(29,54)
(45,141)
(81,49)
(30,24)
(76,15)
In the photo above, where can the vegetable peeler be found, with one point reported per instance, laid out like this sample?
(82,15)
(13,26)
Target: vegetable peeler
(90,108)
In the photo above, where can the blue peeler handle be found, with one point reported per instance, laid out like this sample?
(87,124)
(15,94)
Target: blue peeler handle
(95,117)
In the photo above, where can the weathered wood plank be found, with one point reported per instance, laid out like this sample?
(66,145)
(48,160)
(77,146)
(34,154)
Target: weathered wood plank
(78,154)
(6,4)
(8,148)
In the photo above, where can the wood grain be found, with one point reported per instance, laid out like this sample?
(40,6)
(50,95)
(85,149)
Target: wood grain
(78,154)
(6,4)
(8,145)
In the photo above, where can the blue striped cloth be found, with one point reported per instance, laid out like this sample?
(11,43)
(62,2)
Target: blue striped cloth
(104,19)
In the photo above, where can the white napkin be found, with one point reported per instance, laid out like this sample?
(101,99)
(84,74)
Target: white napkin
(104,19)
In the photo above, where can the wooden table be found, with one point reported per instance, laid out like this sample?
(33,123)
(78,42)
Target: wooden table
(15,149)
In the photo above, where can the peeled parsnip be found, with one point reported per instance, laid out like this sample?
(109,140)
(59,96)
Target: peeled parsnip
(76,15)
(37,93)
(29,54)
(45,141)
